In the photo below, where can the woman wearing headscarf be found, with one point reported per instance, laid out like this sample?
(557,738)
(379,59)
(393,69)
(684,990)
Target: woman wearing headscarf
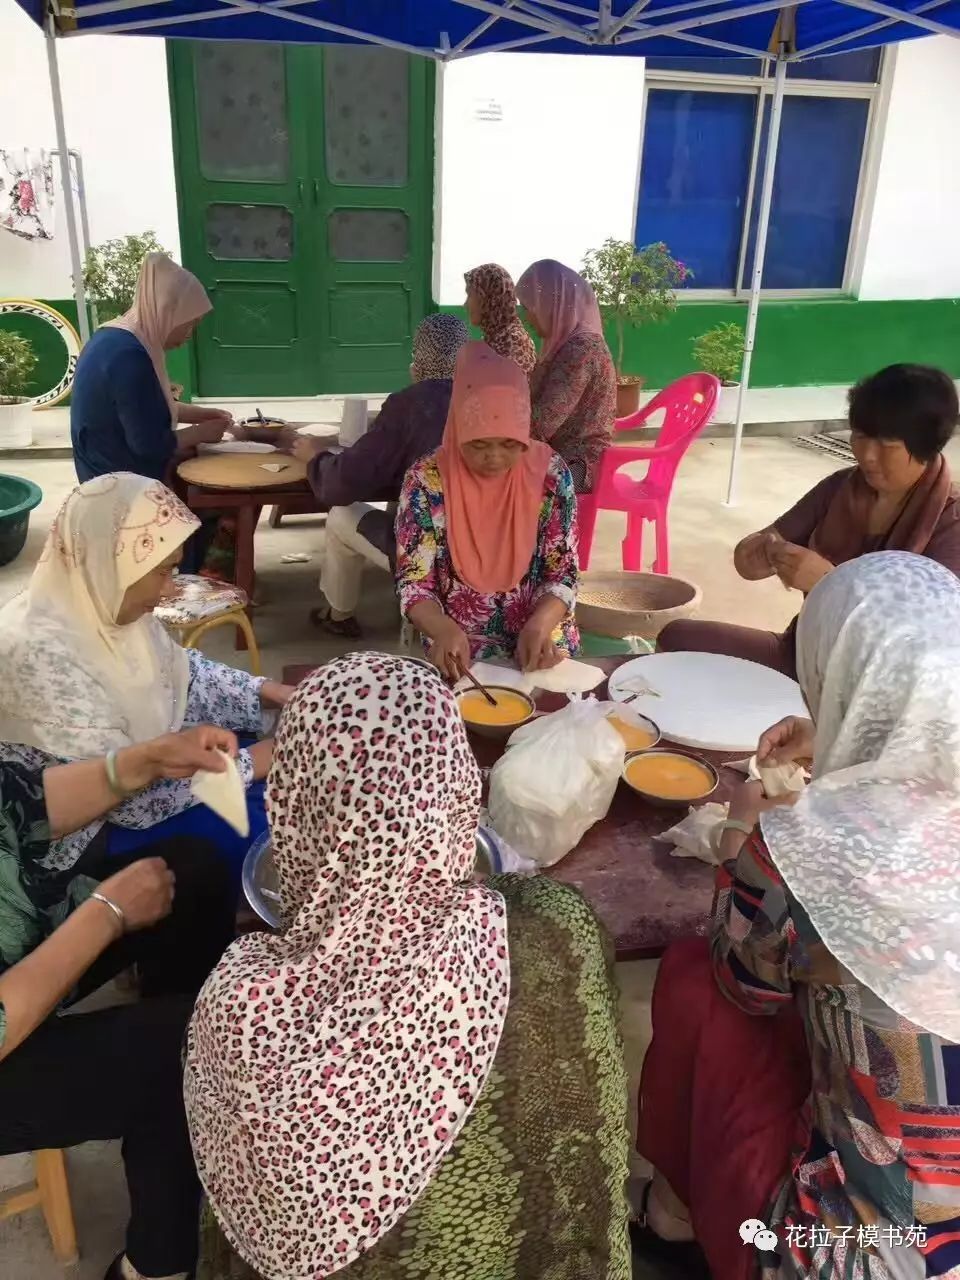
(123,416)
(574,386)
(86,669)
(492,307)
(486,530)
(358,485)
(421,1075)
(114,1072)
(804,1077)
(899,497)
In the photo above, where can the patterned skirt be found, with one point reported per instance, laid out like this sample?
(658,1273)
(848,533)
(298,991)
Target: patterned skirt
(535,1186)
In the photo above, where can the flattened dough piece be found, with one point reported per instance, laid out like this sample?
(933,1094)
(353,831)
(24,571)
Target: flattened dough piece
(225,794)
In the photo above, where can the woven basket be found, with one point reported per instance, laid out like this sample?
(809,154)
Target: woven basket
(622,604)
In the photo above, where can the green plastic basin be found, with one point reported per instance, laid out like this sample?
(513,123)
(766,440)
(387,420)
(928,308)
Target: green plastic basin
(18,497)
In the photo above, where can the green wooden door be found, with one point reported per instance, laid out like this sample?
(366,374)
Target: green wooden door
(305,181)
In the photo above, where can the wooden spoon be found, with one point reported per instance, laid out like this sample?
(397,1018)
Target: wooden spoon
(468,675)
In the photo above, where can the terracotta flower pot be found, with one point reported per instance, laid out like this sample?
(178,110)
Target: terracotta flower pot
(628,396)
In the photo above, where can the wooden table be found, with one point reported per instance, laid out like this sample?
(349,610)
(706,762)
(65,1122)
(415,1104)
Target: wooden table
(645,897)
(238,483)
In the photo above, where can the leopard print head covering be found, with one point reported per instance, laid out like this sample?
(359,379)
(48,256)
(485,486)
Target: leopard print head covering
(499,322)
(436,345)
(329,1069)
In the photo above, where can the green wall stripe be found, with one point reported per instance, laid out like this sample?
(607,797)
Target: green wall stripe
(808,343)
(804,343)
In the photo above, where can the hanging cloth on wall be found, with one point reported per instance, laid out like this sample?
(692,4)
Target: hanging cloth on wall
(26,193)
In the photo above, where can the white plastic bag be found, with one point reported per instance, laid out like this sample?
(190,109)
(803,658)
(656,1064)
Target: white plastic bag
(556,779)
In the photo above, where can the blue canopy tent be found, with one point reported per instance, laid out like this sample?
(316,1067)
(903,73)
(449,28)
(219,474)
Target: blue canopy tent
(449,29)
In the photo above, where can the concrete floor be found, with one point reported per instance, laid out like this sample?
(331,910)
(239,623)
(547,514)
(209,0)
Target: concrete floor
(774,473)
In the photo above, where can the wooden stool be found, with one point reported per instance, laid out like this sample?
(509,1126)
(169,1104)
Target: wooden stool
(200,604)
(51,1193)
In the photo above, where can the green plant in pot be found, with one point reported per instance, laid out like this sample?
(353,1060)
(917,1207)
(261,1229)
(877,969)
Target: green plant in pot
(720,351)
(17,363)
(636,287)
(111,271)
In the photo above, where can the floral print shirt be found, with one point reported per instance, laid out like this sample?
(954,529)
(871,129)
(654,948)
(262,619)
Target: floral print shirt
(425,569)
(574,398)
(217,694)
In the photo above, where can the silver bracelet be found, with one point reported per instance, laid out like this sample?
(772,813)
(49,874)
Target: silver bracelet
(113,780)
(117,911)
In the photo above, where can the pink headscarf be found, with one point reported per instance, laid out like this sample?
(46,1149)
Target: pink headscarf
(167,297)
(492,520)
(560,302)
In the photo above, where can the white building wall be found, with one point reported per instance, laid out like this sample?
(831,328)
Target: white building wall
(117,115)
(537,158)
(912,247)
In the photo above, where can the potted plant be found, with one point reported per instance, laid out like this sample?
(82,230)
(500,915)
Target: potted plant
(111,271)
(633,286)
(720,351)
(17,363)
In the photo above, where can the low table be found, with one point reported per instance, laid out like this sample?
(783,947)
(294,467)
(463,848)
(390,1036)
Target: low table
(238,483)
(645,897)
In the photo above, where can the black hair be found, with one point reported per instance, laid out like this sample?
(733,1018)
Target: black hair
(914,403)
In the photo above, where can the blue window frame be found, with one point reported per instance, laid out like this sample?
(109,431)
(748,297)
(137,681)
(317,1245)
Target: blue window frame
(703,151)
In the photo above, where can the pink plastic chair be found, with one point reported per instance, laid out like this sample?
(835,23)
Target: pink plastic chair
(689,403)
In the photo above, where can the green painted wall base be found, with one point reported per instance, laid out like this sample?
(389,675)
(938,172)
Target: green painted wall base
(805,343)
(52,358)
(809,343)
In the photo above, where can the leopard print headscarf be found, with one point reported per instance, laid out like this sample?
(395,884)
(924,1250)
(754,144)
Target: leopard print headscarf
(329,1069)
(499,321)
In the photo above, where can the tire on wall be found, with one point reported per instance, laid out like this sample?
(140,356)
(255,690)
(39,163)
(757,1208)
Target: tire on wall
(69,335)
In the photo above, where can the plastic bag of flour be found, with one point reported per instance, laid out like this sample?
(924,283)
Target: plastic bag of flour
(556,779)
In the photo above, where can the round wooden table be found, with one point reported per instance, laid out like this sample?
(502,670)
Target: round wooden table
(244,471)
(239,483)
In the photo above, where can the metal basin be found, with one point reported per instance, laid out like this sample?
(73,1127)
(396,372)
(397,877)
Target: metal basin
(260,880)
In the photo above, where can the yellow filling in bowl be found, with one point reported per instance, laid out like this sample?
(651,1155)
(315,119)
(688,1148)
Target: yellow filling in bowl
(510,708)
(635,738)
(670,777)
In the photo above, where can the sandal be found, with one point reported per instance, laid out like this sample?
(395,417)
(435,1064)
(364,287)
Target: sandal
(345,628)
(680,1257)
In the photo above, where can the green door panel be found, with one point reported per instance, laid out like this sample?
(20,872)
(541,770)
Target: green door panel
(305,180)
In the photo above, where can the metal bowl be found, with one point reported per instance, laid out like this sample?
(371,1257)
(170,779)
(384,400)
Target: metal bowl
(259,878)
(666,802)
(497,731)
(259,881)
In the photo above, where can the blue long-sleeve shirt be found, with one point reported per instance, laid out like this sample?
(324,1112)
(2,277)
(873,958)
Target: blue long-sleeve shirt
(119,415)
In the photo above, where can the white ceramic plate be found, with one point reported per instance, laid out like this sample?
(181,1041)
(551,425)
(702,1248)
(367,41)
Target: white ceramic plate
(707,700)
(236,446)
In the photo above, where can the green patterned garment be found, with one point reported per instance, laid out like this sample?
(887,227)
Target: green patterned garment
(33,899)
(534,1188)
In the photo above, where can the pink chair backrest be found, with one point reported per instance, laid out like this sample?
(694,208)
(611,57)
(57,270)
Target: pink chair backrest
(689,404)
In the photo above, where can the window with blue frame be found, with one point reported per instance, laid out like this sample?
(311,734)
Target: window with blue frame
(704,145)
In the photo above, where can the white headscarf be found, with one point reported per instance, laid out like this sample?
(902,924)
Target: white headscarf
(330,1069)
(167,297)
(872,850)
(72,681)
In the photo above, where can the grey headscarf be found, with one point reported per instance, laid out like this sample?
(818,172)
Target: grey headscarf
(435,346)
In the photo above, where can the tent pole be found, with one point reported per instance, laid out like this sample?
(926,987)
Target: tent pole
(759,254)
(66,182)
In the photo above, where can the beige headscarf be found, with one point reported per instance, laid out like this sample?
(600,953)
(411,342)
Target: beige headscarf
(73,682)
(167,297)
